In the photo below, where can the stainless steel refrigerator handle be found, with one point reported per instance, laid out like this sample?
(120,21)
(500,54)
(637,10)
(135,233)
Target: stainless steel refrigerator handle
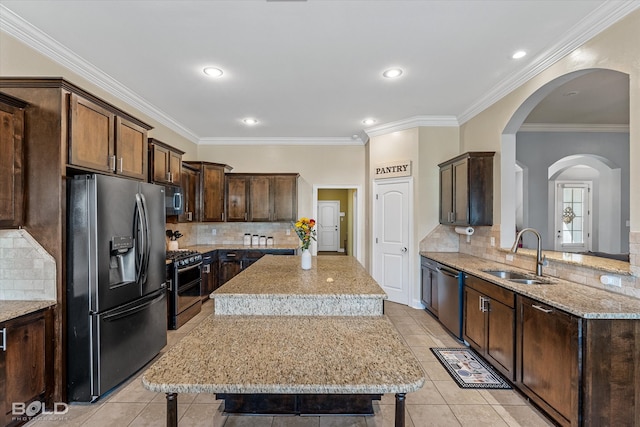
(147,238)
(141,233)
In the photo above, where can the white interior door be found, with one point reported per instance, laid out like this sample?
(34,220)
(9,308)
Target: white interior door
(391,239)
(573,216)
(328,225)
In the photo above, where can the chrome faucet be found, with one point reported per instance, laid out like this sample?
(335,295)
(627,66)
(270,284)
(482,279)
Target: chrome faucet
(540,260)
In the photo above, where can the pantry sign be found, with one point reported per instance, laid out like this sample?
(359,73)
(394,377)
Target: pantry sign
(393,169)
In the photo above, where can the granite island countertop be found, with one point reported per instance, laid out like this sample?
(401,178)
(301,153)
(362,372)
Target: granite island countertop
(277,285)
(11,309)
(581,300)
(288,354)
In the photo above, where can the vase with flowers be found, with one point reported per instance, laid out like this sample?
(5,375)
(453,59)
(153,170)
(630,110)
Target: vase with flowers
(305,231)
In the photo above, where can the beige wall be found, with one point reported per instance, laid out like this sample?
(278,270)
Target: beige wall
(317,165)
(617,48)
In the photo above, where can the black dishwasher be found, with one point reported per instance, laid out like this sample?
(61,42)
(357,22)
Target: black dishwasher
(450,299)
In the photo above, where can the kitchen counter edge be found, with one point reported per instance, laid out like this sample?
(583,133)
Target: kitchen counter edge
(580,300)
(12,309)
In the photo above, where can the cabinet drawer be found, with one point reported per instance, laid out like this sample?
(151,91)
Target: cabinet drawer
(494,292)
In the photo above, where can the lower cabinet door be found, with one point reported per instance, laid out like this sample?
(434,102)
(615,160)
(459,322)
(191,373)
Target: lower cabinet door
(474,320)
(501,322)
(549,359)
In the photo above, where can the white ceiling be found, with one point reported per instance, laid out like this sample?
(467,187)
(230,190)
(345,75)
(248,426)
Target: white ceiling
(307,70)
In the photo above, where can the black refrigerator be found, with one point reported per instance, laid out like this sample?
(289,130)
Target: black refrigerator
(116,297)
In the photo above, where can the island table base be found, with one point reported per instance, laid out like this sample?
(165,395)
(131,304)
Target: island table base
(299,404)
(172,408)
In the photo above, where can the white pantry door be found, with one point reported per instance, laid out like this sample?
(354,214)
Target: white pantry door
(328,225)
(391,238)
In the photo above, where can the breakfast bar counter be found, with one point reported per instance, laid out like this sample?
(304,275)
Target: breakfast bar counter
(276,285)
(288,355)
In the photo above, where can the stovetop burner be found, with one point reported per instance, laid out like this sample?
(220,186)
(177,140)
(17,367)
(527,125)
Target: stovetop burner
(184,257)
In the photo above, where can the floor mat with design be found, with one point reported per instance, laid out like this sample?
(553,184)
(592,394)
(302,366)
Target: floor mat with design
(469,370)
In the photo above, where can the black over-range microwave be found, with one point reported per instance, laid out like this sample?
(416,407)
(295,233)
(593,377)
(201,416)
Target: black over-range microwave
(173,200)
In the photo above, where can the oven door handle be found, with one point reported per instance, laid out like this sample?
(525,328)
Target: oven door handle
(191,267)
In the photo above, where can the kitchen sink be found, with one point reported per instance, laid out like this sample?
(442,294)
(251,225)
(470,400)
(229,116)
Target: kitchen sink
(516,277)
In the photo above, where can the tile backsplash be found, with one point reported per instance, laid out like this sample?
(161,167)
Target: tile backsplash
(27,271)
(226,233)
(444,239)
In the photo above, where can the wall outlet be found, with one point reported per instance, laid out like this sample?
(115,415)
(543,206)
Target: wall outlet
(611,281)
(493,241)
(288,232)
(213,232)
(509,257)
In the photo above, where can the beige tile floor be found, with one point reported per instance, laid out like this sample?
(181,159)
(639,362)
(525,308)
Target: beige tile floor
(439,403)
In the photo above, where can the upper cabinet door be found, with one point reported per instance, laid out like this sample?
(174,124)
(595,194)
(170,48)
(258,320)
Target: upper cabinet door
(212,193)
(175,167)
(446,195)
(11,162)
(260,199)
(237,191)
(131,149)
(91,135)
(285,198)
(461,192)
(160,164)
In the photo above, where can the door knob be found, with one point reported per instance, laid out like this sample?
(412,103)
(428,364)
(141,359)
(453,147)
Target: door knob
(403,250)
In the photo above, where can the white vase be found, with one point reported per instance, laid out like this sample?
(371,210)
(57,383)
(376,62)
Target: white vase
(305,259)
(172,245)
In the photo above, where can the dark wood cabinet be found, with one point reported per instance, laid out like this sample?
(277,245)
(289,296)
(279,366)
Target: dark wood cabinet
(165,166)
(25,363)
(489,323)
(11,161)
(209,274)
(429,284)
(549,359)
(466,189)
(237,197)
(262,197)
(190,183)
(51,145)
(233,262)
(211,191)
(103,141)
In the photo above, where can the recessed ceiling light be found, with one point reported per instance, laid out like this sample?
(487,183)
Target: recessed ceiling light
(213,72)
(392,73)
(519,54)
(250,121)
(369,122)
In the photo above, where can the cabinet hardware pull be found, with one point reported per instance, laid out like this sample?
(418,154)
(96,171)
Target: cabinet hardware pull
(230,255)
(3,347)
(207,268)
(245,216)
(481,303)
(189,216)
(169,176)
(112,163)
(544,310)
(120,164)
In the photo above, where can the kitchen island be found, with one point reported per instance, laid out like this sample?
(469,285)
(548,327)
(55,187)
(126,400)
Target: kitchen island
(276,285)
(288,355)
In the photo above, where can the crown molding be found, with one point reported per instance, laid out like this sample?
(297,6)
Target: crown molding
(412,122)
(33,37)
(576,127)
(282,141)
(600,19)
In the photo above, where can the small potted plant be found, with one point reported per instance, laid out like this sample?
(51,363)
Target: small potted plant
(172,244)
(305,231)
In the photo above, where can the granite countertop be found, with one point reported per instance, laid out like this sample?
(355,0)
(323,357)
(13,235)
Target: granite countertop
(273,354)
(598,263)
(581,300)
(277,275)
(236,246)
(11,309)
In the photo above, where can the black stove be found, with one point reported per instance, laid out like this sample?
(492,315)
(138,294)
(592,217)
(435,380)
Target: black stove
(184,257)
(184,277)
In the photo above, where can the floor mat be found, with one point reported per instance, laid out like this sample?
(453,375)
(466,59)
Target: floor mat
(468,369)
